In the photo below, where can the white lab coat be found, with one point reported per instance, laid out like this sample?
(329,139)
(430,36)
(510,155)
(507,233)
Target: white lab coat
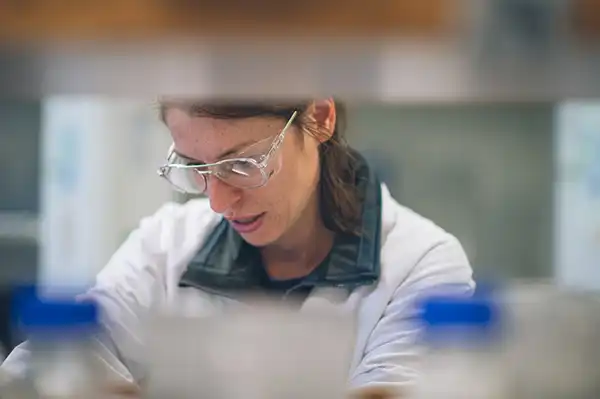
(143,276)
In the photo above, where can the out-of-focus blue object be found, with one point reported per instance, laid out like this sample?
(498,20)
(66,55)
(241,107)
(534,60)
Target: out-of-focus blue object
(38,314)
(443,312)
(61,332)
(462,358)
(455,318)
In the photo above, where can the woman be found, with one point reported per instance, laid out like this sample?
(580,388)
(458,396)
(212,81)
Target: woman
(290,211)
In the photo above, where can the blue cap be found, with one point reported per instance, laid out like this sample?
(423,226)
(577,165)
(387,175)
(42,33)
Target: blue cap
(449,311)
(57,314)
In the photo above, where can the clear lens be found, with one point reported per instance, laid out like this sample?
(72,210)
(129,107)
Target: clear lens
(258,152)
(240,173)
(236,172)
(186,180)
(249,169)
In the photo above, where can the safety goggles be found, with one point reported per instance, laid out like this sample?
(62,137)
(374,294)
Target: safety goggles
(251,168)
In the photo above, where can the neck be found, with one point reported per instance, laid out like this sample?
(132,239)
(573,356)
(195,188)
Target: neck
(302,248)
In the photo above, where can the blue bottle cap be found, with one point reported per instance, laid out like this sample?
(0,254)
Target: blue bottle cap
(458,311)
(37,314)
(463,320)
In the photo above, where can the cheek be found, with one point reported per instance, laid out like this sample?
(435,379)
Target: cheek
(294,185)
(276,198)
(300,158)
(287,192)
(306,167)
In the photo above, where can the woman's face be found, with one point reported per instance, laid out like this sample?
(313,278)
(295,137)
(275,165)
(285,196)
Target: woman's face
(261,215)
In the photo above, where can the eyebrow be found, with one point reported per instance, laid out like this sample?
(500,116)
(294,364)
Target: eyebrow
(224,154)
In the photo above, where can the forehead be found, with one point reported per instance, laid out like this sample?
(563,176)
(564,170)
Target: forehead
(180,123)
(205,137)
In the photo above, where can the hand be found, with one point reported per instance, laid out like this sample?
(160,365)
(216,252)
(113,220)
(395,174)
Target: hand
(376,393)
(123,390)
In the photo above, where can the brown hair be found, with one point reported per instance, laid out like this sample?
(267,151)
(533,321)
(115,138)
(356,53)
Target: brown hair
(339,197)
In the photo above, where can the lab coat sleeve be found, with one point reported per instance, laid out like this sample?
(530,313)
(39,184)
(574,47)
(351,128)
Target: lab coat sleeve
(127,288)
(392,352)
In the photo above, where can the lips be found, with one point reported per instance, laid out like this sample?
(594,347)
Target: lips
(246,220)
(247,224)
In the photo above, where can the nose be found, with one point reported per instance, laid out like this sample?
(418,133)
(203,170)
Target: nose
(222,196)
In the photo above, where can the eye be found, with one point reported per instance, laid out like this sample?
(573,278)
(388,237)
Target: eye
(257,158)
(240,168)
(255,155)
(258,150)
(181,160)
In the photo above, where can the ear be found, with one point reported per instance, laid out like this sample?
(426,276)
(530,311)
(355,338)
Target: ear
(322,113)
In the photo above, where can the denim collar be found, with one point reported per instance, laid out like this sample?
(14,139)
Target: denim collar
(225,262)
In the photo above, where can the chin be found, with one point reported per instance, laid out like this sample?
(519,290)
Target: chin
(257,239)
(260,238)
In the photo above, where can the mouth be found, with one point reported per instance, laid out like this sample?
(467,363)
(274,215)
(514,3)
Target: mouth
(247,224)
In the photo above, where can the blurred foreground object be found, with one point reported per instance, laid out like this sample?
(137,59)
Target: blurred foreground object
(525,341)
(61,334)
(55,19)
(376,393)
(552,342)
(463,358)
(262,353)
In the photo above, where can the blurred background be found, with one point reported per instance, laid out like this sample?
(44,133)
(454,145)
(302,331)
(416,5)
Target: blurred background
(481,115)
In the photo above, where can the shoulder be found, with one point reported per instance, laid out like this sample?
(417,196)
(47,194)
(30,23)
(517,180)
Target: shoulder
(417,256)
(415,247)
(146,268)
(180,214)
(172,232)
(174,225)
(401,226)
